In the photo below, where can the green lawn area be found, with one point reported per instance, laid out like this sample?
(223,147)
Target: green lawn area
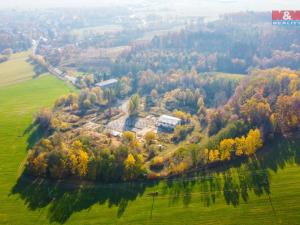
(16,69)
(250,193)
(221,75)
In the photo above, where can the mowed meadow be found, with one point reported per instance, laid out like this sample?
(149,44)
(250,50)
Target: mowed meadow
(261,190)
(16,69)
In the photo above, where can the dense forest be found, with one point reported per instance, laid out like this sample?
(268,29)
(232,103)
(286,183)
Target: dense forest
(228,45)
(236,43)
(263,105)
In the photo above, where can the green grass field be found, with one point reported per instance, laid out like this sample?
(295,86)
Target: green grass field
(18,104)
(16,69)
(222,75)
(250,193)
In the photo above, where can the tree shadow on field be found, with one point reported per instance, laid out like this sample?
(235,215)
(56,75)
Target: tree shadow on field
(36,133)
(232,186)
(232,182)
(65,198)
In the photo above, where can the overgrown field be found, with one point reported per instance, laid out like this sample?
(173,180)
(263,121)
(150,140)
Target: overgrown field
(251,194)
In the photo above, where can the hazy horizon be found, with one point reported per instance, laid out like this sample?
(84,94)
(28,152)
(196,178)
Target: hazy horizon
(218,6)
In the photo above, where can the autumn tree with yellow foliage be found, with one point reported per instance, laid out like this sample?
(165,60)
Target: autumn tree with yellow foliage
(253,142)
(214,155)
(240,146)
(128,136)
(226,147)
(78,159)
(133,166)
(150,137)
(130,139)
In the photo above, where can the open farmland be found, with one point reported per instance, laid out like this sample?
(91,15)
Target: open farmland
(18,105)
(183,201)
(149,113)
(16,69)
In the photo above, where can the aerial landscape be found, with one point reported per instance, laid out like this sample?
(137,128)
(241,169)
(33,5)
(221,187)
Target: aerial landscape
(150,112)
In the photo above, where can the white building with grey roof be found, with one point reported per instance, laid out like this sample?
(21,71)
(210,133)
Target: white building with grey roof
(107,83)
(168,122)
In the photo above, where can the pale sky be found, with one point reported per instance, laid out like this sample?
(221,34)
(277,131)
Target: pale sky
(208,5)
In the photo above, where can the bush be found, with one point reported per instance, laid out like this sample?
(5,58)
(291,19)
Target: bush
(216,121)
(44,118)
(181,132)
(3,59)
(7,52)
(157,163)
(153,150)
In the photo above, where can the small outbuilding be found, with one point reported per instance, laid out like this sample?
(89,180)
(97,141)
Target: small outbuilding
(168,122)
(116,133)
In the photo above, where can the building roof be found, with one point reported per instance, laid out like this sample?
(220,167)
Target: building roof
(106,82)
(116,133)
(169,120)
